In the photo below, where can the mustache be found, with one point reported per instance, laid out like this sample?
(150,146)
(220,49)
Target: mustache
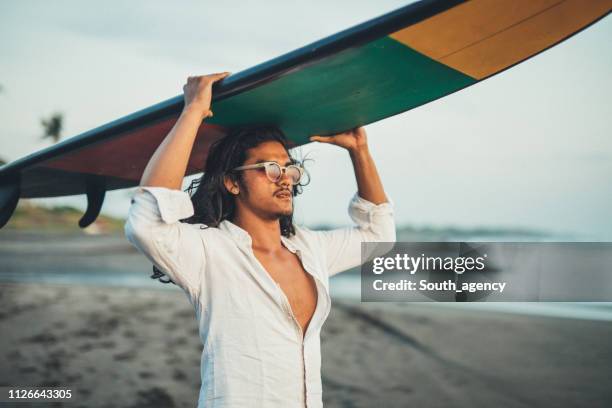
(284,190)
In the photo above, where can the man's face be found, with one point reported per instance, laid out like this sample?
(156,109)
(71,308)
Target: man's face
(267,199)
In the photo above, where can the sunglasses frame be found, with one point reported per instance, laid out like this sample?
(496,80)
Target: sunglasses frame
(283,169)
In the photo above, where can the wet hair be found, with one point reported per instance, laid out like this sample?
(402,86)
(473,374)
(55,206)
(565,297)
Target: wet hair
(212,203)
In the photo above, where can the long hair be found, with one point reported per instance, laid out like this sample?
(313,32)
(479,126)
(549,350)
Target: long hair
(212,203)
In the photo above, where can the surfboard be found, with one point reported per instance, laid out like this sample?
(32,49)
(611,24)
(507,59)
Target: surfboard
(380,68)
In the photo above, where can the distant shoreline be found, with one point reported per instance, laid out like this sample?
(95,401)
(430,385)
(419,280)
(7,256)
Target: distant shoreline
(64,219)
(109,260)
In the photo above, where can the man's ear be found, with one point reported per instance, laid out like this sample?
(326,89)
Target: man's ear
(231,185)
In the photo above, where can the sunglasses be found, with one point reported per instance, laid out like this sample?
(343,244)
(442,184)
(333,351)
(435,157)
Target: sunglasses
(274,171)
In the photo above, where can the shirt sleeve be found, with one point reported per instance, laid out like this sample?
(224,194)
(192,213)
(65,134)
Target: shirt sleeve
(374,223)
(153,227)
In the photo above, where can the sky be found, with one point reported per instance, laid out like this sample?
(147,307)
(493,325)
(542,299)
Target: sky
(529,148)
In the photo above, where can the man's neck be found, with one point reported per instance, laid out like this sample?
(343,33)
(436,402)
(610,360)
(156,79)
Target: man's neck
(265,234)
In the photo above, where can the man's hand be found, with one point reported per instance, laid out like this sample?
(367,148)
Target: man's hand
(352,140)
(368,181)
(198,92)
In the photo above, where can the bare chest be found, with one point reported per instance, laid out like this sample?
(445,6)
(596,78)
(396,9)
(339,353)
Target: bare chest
(297,284)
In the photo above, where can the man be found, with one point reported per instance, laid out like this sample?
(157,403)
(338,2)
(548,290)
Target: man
(258,283)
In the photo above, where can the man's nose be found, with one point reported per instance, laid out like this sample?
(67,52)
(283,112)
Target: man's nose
(285,180)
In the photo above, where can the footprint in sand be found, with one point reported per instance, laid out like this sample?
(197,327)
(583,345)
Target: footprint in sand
(146,375)
(154,397)
(125,356)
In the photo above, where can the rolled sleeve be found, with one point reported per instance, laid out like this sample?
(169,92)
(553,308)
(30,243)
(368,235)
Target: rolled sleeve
(153,226)
(168,205)
(365,213)
(374,223)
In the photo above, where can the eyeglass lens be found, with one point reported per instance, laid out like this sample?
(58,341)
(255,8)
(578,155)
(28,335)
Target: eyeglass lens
(273,171)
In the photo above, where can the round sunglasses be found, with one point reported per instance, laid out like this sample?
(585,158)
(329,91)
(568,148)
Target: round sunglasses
(274,171)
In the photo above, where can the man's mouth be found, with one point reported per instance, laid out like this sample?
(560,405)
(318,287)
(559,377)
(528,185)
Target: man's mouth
(283,195)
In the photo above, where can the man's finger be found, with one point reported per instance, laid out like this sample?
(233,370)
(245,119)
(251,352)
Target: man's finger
(322,139)
(220,75)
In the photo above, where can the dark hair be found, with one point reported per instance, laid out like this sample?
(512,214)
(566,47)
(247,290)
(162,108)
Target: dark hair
(212,203)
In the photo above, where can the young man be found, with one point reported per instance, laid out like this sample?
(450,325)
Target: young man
(258,283)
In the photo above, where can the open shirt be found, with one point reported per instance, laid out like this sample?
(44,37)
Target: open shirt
(253,352)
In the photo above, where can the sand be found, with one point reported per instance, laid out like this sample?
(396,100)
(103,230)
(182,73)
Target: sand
(121,347)
(138,346)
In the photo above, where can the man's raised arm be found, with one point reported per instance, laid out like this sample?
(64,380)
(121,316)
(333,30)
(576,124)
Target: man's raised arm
(370,209)
(153,225)
(168,165)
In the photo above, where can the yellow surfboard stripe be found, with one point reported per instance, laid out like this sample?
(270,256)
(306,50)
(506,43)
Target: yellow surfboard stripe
(482,37)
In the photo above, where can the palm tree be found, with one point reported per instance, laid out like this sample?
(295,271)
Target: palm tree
(53,127)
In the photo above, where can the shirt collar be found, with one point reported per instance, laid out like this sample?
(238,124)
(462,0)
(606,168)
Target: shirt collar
(243,237)
(236,232)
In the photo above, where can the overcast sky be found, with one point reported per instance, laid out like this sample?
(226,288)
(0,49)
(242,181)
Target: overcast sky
(529,148)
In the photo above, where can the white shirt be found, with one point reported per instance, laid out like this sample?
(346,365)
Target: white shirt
(253,353)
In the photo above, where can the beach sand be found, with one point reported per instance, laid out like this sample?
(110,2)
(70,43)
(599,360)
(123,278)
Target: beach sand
(128,346)
(121,347)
